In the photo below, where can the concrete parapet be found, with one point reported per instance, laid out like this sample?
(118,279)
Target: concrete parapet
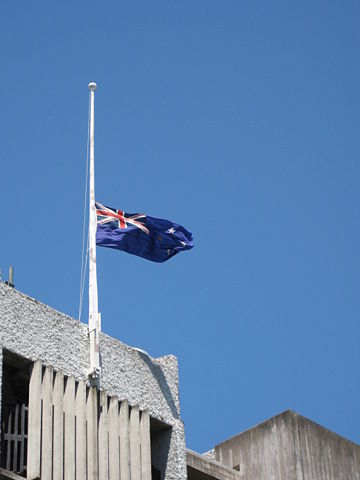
(35,331)
(202,468)
(290,447)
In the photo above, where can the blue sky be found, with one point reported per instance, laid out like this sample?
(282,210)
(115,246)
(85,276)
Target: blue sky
(236,119)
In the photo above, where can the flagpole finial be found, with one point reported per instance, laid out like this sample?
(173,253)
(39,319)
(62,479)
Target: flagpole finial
(92,86)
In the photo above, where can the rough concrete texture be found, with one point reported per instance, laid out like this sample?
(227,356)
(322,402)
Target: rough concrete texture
(38,332)
(290,447)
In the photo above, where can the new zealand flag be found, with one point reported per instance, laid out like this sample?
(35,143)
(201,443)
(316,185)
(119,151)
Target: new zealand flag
(148,237)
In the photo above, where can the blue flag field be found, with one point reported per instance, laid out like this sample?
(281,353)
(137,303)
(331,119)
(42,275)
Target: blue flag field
(152,238)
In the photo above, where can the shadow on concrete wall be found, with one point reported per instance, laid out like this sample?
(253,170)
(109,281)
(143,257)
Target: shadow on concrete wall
(158,374)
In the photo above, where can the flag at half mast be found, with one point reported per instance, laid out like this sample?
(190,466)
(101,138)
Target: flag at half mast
(152,238)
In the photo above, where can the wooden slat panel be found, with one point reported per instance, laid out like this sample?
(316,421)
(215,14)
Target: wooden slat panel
(109,444)
(124,441)
(5,475)
(46,442)
(114,465)
(145,447)
(103,437)
(23,435)
(92,421)
(69,433)
(34,428)
(58,400)
(134,430)
(80,411)
(16,439)
(8,449)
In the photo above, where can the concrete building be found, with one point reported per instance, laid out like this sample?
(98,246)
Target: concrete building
(286,447)
(55,425)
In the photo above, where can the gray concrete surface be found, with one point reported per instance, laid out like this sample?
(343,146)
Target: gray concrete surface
(203,468)
(290,447)
(38,332)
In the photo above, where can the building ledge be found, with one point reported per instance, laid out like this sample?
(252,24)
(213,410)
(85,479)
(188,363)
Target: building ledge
(208,467)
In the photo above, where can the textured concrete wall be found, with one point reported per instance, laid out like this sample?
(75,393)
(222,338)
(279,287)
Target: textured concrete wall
(290,447)
(321,454)
(38,332)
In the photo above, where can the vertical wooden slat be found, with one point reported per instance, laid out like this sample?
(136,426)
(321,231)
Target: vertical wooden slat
(34,427)
(16,439)
(80,410)
(124,441)
(114,466)
(58,400)
(46,437)
(109,445)
(69,429)
(22,445)
(145,447)
(135,460)
(92,419)
(103,437)
(8,450)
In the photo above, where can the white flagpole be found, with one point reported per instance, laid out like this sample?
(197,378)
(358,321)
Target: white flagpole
(94,316)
